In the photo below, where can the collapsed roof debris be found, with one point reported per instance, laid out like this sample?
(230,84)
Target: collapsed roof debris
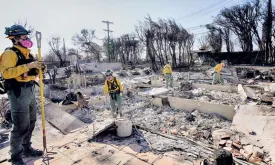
(194,119)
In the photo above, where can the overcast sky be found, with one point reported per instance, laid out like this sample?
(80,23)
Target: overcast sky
(64,18)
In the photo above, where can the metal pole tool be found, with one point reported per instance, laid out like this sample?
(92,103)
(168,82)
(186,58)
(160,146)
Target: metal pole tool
(46,157)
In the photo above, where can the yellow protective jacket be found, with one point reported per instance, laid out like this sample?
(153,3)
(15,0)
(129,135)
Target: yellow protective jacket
(167,69)
(115,82)
(8,61)
(218,68)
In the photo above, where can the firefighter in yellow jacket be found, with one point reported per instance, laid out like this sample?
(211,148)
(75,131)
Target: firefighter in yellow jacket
(114,89)
(19,69)
(167,72)
(217,77)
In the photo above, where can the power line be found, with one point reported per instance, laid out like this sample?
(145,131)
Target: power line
(208,12)
(210,6)
(124,25)
(188,15)
(202,10)
(195,13)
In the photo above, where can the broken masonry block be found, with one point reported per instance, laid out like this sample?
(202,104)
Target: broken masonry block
(238,155)
(230,149)
(229,143)
(237,146)
(222,143)
(257,152)
(174,132)
(249,149)
(253,159)
(245,154)
(225,137)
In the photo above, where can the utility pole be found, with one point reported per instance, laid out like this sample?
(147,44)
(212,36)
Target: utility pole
(268,31)
(108,40)
(64,50)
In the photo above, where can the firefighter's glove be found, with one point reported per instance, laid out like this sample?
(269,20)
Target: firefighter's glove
(35,64)
(44,68)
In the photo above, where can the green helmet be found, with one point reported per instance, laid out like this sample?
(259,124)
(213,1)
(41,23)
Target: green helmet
(108,72)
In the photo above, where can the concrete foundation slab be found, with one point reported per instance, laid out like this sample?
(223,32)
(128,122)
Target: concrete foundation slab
(250,93)
(259,119)
(223,88)
(99,126)
(242,92)
(226,111)
(61,119)
(154,92)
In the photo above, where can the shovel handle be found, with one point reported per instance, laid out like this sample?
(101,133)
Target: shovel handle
(38,38)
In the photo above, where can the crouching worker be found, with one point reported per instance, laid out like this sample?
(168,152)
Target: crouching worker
(217,77)
(167,72)
(19,69)
(114,88)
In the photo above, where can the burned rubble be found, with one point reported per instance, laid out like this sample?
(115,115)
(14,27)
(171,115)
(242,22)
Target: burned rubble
(205,95)
(179,122)
(163,129)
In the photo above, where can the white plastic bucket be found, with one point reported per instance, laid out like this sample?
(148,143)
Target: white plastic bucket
(124,127)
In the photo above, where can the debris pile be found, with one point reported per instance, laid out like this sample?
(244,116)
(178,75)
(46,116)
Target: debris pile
(205,95)
(240,147)
(86,115)
(179,122)
(256,73)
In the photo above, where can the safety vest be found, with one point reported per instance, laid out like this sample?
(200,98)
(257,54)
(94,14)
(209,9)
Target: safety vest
(113,87)
(21,60)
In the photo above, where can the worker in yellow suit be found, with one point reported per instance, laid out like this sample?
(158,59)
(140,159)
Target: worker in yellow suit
(113,87)
(19,69)
(167,72)
(217,77)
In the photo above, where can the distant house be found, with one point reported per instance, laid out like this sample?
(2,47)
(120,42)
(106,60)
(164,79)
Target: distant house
(71,58)
(233,58)
(204,57)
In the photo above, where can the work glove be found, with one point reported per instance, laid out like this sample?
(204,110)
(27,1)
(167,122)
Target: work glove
(44,68)
(121,94)
(35,64)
